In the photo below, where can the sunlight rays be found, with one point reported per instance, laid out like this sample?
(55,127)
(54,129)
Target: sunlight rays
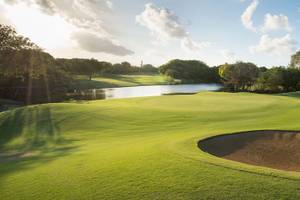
(49,32)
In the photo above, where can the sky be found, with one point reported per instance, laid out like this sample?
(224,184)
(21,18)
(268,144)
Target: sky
(265,32)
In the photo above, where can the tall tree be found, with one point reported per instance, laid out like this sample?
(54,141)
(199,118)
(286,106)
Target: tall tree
(26,72)
(187,70)
(10,40)
(295,60)
(239,76)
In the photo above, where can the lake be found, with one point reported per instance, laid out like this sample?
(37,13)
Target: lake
(141,91)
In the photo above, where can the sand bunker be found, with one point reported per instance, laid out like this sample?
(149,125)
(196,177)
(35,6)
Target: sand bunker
(273,149)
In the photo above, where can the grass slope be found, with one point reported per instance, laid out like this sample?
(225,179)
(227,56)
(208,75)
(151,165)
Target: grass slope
(119,81)
(142,148)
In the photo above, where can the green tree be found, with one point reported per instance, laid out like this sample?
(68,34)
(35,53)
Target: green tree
(271,80)
(187,70)
(295,60)
(279,79)
(148,68)
(291,79)
(88,67)
(239,76)
(10,40)
(25,70)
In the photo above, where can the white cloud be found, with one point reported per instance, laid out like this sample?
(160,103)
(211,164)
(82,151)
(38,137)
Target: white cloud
(276,46)
(86,14)
(276,22)
(229,56)
(89,16)
(271,22)
(165,25)
(77,10)
(247,15)
(154,53)
(3,18)
(93,43)
(190,45)
(161,22)
(110,4)
(34,24)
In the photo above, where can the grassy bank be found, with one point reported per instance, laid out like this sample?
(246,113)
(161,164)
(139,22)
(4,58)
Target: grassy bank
(83,82)
(6,104)
(143,148)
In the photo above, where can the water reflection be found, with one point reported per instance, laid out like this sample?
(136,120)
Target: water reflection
(90,94)
(141,91)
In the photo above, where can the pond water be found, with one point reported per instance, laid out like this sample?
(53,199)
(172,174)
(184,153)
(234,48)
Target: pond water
(141,91)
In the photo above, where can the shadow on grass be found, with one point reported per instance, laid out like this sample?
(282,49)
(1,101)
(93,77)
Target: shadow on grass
(22,162)
(30,137)
(11,125)
(32,126)
(290,94)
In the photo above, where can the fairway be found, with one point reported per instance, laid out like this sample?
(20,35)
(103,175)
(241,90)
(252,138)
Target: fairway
(119,81)
(141,148)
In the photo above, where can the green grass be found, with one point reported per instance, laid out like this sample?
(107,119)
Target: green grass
(119,81)
(142,148)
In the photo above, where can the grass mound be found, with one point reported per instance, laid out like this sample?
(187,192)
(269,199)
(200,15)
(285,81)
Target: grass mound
(141,148)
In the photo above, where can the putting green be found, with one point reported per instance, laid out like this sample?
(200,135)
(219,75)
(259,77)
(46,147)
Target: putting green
(142,148)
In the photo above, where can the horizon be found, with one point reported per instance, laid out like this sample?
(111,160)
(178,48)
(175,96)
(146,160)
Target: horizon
(155,32)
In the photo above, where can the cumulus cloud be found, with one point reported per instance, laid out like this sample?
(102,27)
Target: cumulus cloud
(3,18)
(248,14)
(88,16)
(11,1)
(161,22)
(93,43)
(229,55)
(165,25)
(276,46)
(82,13)
(276,22)
(271,22)
(191,45)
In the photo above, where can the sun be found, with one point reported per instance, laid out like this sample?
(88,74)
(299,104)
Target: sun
(48,31)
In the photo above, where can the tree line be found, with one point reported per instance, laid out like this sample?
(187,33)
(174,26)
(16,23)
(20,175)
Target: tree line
(30,75)
(93,67)
(190,71)
(237,77)
(243,76)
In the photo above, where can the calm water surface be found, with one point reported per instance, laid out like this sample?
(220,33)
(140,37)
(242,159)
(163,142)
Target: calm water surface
(142,91)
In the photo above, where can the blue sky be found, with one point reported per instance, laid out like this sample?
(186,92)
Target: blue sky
(265,32)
